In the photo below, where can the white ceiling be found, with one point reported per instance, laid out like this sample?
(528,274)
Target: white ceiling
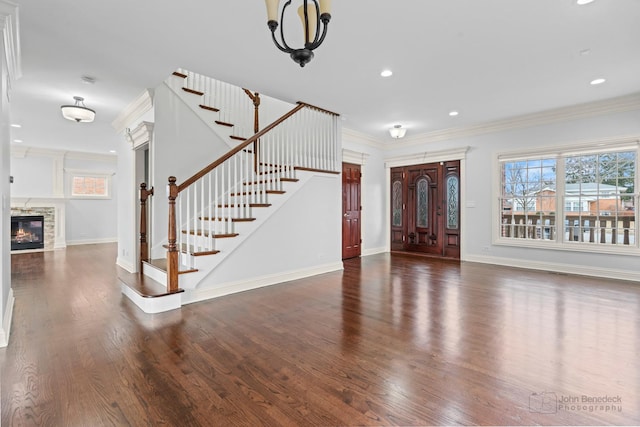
(487,59)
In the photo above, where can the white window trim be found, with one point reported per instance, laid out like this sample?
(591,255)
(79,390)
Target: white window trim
(598,146)
(70,173)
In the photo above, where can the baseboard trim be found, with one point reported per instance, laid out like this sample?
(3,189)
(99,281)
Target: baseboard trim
(126,265)
(5,331)
(92,241)
(197,295)
(580,270)
(374,251)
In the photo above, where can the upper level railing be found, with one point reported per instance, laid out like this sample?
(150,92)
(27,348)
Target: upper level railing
(205,207)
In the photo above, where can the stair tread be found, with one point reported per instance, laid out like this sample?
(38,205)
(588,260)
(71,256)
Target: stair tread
(179,74)
(193,91)
(208,107)
(206,233)
(248,193)
(143,285)
(206,218)
(251,205)
(221,123)
(161,264)
(191,251)
(237,138)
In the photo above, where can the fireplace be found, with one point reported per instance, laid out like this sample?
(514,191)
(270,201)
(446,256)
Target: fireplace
(27,232)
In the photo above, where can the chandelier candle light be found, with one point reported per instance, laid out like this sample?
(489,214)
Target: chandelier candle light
(312,15)
(78,113)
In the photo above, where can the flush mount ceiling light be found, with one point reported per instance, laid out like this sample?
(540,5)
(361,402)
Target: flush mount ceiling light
(78,113)
(397,132)
(312,15)
(597,81)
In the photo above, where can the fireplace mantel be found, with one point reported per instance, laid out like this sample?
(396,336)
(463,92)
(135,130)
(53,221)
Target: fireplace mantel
(58,204)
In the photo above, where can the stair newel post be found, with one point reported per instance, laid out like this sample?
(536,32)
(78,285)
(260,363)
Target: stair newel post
(255,97)
(144,245)
(172,251)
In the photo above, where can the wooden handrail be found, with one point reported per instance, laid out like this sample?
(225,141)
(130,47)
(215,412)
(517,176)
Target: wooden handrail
(318,108)
(238,148)
(144,245)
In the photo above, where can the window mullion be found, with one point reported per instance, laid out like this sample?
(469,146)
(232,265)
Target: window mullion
(560,198)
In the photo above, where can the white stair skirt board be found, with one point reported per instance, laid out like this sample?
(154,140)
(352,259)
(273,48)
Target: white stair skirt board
(197,295)
(155,304)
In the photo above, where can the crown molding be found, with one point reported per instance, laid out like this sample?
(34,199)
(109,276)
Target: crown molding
(354,157)
(9,25)
(139,106)
(141,135)
(607,106)
(22,151)
(351,135)
(427,157)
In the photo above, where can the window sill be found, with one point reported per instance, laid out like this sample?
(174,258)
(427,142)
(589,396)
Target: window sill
(571,247)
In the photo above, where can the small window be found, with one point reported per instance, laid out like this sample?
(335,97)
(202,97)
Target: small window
(89,185)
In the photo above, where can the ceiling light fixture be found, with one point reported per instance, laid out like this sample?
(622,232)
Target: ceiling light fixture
(453,113)
(583,2)
(598,81)
(311,16)
(78,113)
(397,132)
(386,73)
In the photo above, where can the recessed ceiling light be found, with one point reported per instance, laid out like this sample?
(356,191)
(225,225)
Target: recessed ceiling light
(112,151)
(598,81)
(17,141)
(453,113)
(583,2)
(15,125)
(386,73)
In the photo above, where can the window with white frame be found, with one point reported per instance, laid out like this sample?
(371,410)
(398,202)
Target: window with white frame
(579,197)
(89,185)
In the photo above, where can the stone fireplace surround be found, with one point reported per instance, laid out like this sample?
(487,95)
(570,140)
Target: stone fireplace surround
(53,211)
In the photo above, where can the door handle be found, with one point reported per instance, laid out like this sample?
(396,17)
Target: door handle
(346,215)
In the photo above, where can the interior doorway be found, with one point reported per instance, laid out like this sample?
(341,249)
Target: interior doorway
(425,209)
(351,209)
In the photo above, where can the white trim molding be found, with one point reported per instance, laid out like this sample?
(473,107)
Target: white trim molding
(141,135)
(10,27)
(132,112)
(427,157)
(581,270)
(354,157)
(5,328)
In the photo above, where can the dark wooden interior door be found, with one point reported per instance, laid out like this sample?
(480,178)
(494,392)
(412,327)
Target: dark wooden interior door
(351,242)
(425,209)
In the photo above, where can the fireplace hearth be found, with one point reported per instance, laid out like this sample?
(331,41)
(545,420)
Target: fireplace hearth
(27,232)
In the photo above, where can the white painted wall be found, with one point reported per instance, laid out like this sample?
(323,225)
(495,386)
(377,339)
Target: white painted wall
(365,152)
(183,144)
(301,238)
(40,173)
(10,70)
(477,242)
(5,206)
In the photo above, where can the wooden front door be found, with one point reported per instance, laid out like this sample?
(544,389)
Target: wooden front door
(350,210)
(425,209)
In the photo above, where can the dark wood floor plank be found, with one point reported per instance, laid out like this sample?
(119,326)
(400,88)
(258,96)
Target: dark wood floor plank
(391,340)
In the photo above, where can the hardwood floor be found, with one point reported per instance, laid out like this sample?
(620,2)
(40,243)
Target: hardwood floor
(392,340)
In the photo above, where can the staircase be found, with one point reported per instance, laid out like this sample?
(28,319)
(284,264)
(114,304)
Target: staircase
(220,207)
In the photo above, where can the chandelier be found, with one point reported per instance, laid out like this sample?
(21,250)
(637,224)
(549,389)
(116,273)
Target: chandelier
(312,15)
(78,113)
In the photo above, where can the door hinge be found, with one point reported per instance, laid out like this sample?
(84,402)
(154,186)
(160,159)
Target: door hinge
(403,238)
